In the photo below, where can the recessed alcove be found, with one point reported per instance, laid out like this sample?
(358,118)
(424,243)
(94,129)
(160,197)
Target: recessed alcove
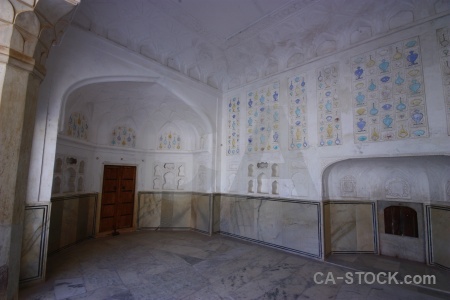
(263,184)
(377,205)
(70,176)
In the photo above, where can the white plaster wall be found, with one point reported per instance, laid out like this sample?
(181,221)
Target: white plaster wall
(309,164)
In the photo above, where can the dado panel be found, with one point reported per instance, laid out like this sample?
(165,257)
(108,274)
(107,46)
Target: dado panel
(290,225)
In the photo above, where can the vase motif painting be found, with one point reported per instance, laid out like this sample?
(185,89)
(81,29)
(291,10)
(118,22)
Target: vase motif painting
(124,136)
(298,120)
(388,96)
(443,38)
(233,124)
(263,119)
(329,108)
(77,126)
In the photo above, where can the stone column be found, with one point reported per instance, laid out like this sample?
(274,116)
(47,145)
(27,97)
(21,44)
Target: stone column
(25,40)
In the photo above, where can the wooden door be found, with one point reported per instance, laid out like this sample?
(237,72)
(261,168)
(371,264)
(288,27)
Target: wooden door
(117,198)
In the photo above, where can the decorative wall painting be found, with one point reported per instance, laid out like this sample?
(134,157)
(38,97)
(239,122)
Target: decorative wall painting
(170,140)
(77,126)
(388,93)
(329,108)
(443,38)
(298,116)
(263,119)
(233,124)
(124,136)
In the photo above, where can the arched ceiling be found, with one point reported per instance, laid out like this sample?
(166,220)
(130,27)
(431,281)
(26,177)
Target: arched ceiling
(145,102)
(227,44)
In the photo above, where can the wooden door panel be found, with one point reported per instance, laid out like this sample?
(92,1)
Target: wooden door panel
(129,173)
(108,211)
(110,186)
(109,198)
(127,185)
(125,221)
(111,172)
(106,224)
(126,209)
(118,190)
(126,197)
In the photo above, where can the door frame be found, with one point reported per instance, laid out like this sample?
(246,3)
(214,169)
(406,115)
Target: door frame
(100,194)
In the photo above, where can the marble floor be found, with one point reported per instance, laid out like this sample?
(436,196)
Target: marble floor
(190,265)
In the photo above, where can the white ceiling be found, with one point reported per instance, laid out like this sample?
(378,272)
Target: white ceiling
(229,43)
(225,19)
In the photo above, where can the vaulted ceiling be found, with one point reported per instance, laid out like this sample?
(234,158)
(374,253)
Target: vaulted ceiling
(229,43)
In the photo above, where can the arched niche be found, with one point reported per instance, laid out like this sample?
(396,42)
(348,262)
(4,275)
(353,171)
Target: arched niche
(409,178)
(56,186)
(70,177)
(80,184)
(169,181)
(263,183)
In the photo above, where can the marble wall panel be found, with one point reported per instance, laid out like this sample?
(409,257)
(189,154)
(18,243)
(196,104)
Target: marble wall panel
(439,239)
(181,210)
(242,217)
(69,219)
(287,224)
(72,220)
(216,213)
(34,252)
(301,227)
(411,248)
(351,227)
(268,219)
(327,228)
(226,202)
(201,212)
(149,210)
(174,210)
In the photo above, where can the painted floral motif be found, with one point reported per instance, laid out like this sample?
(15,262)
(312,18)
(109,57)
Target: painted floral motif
(443,38)
(77,126)
(298,125)
(170,140)
(388,94)
(329,111)
(263,119)
(124,136)
(234,108)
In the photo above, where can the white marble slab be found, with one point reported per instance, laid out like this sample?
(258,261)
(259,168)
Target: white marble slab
(149,213)
(291,224)
(439,220)
(200,212)
(33,254)
(351,227)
